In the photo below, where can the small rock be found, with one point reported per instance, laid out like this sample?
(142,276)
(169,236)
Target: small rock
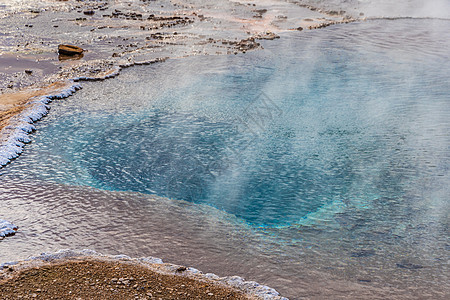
(181,269)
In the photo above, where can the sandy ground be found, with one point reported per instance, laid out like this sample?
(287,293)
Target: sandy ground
(71,274)
(12,104)
(90,279)
(93,279)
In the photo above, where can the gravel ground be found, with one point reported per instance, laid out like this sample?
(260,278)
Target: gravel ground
(95,279)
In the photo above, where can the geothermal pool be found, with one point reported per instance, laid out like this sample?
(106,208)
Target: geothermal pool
(325,155)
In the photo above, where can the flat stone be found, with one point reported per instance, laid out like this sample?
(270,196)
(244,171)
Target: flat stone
(69,50)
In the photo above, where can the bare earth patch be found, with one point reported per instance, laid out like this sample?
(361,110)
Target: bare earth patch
(12,104)
(94,279)
(69,274)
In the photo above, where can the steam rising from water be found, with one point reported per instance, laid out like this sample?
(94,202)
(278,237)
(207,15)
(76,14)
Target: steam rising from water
(363,137)
(406,8)
(386,8)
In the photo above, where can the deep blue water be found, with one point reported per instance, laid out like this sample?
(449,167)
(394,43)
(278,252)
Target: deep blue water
(316,126)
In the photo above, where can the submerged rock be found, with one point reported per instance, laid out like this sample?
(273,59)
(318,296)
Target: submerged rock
(363,253)
(408,265)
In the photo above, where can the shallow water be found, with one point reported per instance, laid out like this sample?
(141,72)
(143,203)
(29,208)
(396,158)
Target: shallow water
(326,154)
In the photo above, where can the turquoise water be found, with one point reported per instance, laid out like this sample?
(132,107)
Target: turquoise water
(271,136)
(335,140)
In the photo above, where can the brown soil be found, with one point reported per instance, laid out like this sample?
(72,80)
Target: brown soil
(96,279)
(12,104)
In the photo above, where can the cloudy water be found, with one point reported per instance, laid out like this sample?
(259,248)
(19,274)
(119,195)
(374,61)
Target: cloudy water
(325,155)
